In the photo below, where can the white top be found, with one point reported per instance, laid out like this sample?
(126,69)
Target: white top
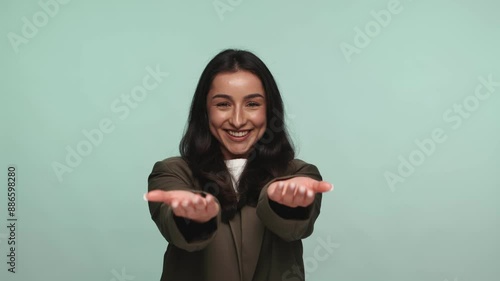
(235,167)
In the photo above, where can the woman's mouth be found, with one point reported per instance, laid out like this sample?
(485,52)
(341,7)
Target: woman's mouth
(238,135)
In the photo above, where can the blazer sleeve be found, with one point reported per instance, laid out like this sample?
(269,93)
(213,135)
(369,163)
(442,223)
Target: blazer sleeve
(181,232)
(290,223)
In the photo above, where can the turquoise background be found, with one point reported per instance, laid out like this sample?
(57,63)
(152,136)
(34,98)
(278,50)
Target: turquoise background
(354,116)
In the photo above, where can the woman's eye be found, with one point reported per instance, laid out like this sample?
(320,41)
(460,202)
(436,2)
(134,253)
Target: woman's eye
(253,104)
(223,104)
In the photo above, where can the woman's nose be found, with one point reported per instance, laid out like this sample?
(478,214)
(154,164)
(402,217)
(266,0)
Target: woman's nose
(238,118)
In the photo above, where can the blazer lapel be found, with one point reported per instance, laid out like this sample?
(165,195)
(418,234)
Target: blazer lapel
(235,226)
(252,231)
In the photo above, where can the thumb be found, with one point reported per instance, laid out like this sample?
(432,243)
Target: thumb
(323,186)
(157,196)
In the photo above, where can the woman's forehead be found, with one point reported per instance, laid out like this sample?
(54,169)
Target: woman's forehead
(236,85)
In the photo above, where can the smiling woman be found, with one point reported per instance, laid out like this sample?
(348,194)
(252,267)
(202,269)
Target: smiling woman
(237,112)
(235,205)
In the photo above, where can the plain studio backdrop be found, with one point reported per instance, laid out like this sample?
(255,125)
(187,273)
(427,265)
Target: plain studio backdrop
(396,102)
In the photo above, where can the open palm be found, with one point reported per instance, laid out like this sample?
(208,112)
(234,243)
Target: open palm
(187,204)
(297,191)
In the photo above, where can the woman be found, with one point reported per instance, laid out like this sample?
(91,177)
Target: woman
(236,204)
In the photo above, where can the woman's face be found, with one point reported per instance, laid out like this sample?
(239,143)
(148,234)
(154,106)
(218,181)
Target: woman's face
(236,106)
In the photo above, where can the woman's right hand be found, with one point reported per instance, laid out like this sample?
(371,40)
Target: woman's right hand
(187,204)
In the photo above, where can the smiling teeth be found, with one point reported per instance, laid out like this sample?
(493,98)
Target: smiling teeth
(238,134)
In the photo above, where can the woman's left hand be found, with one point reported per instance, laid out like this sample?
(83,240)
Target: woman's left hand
(297,191)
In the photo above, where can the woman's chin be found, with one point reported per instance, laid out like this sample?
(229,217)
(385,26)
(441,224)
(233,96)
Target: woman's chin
(233,154)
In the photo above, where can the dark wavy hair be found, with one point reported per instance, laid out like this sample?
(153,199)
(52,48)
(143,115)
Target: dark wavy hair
(268,158)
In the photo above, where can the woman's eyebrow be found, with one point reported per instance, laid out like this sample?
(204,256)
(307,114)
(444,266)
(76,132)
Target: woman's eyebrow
(247,97)
(251,96)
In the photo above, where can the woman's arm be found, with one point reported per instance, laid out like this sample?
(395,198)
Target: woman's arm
(283,216)
(171,214)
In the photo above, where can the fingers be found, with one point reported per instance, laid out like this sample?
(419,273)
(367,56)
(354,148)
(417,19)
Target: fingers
(199,203)
(182,209)
(303,197)
(298,191)
(196,208)
(173,196)
(298,195)
(275,191)
(212,208)
(186,203)
(291,194)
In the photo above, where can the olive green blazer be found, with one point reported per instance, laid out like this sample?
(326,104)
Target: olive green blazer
(261,243)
